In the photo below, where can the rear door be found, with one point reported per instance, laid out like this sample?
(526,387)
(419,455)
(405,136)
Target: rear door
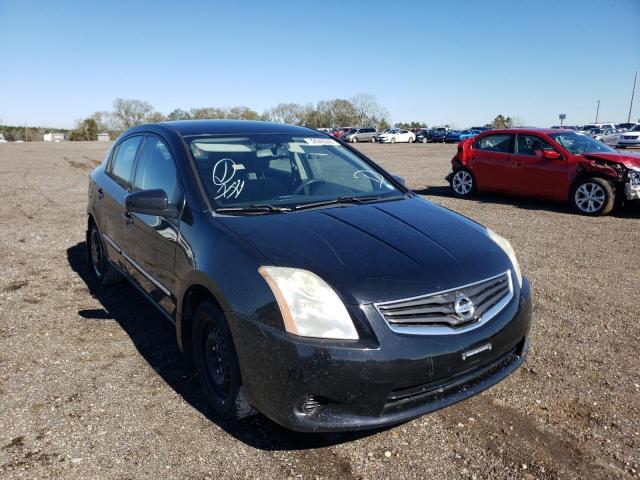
(149,241)
(538,176)
(110,195)
(490,162)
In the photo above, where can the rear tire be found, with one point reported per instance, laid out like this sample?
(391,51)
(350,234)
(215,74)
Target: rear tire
(424,140)
(99,266)
(410,139)
(463,183)
(593,196)
(373,139)
(218,368)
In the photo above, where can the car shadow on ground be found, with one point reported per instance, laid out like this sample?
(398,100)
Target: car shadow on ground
(625,211)
(154,337)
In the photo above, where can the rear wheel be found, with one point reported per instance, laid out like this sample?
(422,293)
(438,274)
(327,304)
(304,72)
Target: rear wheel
(373,139)
(99,265)
(217,364)
(593,196)
(424,140)
(410,139)
(462,183)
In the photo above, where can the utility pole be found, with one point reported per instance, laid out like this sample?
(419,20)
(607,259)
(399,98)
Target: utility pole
(597,111)
(633,92)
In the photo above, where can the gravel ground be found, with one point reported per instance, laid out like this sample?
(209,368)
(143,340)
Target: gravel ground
(92,384)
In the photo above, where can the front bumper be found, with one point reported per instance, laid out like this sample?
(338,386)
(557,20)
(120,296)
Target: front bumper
(364,384)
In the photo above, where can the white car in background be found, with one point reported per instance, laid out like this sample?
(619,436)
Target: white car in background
(630,138)
(609,136)
(396,135)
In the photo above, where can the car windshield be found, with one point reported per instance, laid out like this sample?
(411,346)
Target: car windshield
(284,171)
(635,129)
(579,144)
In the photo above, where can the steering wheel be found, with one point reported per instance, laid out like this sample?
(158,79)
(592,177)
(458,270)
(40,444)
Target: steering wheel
(305,184)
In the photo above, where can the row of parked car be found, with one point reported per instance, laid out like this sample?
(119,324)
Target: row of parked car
(401,135)
(616,135)
(620,135)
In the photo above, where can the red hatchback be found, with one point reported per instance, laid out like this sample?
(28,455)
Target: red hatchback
(548,164)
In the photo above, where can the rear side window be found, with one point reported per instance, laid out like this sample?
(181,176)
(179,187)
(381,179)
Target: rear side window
(156,169)
(121,168)
(529,144)
(494,143)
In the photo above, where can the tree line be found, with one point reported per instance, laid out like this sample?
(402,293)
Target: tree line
(359,111)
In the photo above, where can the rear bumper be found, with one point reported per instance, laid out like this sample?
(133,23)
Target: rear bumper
(385,382)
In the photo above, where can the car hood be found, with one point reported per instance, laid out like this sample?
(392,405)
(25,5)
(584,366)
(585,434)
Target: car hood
(629,161)
(377,252)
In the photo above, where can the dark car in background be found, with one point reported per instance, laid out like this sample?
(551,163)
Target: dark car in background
(356,135)
(304,281)
(452,136)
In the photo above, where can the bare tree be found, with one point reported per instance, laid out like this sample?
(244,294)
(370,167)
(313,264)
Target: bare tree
(367,109)
(289,113)
(129,113)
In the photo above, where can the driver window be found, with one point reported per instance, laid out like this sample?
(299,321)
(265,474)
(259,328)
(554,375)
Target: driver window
(529,144)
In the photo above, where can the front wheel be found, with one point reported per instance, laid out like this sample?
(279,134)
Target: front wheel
(593,196)
(217,364)
(463,185)
(424,140)
(393,140)
(354,140)
(410,139)
(373,139)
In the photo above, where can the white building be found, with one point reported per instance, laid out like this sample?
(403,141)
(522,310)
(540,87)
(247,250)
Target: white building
(103,137)
(54,137)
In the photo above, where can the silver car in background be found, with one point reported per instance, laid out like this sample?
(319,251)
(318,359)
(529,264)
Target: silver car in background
(367,134)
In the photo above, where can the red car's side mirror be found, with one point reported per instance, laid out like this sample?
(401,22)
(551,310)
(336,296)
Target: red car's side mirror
(551,155)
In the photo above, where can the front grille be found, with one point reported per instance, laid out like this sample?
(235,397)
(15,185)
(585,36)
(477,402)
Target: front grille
(630,137)
(436,313)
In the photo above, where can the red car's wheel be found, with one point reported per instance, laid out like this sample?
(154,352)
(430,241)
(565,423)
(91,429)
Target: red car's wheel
(462,183)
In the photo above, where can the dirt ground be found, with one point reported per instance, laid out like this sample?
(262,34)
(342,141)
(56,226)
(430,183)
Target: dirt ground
(92,384)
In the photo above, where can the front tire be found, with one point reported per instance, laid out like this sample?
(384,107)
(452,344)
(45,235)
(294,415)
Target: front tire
(373,139)
(410,139)
(354,140)
(217,364)
(424,140)
(593,196)
(102,271)
(393,140)
(463,183)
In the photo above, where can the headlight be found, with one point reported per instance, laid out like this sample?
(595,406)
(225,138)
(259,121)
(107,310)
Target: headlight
(508,249)
(309,307)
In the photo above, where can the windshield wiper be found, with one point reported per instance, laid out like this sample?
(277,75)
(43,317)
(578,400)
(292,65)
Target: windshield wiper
(345,199)
(255,208)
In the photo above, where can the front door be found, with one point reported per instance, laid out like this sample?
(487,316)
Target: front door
(111,194)
(490,162)
(149,241)
(536,175)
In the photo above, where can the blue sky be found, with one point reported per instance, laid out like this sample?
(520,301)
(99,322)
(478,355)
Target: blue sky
(459,62)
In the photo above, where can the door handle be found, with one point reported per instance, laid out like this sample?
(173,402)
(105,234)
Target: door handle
(100,194)
(128,218)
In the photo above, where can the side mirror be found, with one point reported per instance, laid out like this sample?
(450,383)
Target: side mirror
(551,155)
(398,179)
(148,202)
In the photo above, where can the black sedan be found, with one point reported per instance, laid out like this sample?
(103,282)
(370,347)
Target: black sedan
(304,281)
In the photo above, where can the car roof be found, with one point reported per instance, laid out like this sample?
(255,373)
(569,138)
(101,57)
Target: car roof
(232,127)
(522,130)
